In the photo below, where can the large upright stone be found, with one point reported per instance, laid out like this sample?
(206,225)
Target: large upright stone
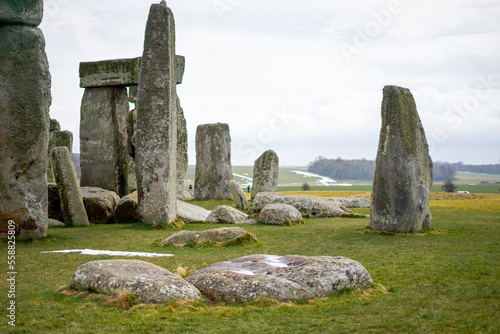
(265,173)
(57,138)
(21,12)
(182,150)
(72,207)
(213,162)
(24,118)
(103,139)
(403,174)
(156,133)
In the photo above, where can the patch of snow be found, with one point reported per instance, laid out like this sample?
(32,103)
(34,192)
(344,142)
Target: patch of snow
(246,178)
(275,261)
(243,272)
(112,253)
(326,181)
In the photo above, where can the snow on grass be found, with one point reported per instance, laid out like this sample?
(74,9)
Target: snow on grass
(326,181)
(112,253)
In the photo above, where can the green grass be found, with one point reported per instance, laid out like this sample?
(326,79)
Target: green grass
(446,281)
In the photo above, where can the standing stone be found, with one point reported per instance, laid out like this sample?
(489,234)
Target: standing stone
(238,195)
(182,150)
(156,133)
(103,139)
(72,207)
(54,125)
(24,118)
(265,173)
(57,138)
(213,162)
(403,173)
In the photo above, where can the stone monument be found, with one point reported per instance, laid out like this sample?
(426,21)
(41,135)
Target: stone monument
(265,173)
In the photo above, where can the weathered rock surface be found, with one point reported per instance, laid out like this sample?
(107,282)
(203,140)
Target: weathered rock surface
(278,214)
(265,173)
(57,138)
(72,207)
(226,214)
(350,202)
(182,150)
(54,202)
(224,234)
(191,213)
(156,127)
(54,125)
(213,162)
(403,173)
(100,204)
(127,209)
(55,223)
(146,281)
(104,157)
(238,195)
(24,118)
(25,12)
(309,206)
(283,278)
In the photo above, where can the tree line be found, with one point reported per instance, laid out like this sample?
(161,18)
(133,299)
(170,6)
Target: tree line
(363,169)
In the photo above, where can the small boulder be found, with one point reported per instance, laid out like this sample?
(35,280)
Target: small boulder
(99,204)
(278,214)
(227,215)
(191,213)
(283,278)
(218,236)
(127,209)
(309,206)
(238,195)
(55,223)
(146,281)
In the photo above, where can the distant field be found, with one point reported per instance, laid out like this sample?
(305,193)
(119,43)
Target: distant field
(289,180)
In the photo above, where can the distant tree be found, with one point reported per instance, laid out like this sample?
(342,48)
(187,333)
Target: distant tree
(306,186)
(449,186)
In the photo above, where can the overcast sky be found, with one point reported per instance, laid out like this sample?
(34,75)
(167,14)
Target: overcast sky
(304,78)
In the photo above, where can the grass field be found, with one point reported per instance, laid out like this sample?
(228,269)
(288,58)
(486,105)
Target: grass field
(442,281)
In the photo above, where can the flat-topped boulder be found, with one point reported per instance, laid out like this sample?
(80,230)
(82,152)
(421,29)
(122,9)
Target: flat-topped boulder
(350,202)
(118,72)
(309,206)
(25,12)
(282,278)
(218,236)
(226,214)
(149,283)
(278,214)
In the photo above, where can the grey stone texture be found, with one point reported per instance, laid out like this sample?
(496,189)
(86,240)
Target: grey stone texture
(238,195)
(309,206)
(156,128)
(57,138)
(104,158)
(99,204)
(72,207)
(209,236)
(54,125)
(213,162)
(182,150)
(277,214)
(350,202)
(282,278)
(265,173)
(54,202)
(226,214)
(127,209)
(149,283)
(403,173)
(188,212)
(21,12)
(24,115)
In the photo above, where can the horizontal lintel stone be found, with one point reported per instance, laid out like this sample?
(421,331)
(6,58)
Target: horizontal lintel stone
(118,72)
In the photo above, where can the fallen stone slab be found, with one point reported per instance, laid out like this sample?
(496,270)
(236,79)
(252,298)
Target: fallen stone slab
(191,213)
(146,281)
(282,278)
(100,204)
(350,202)
(238,195)
(226,214)
(277,214)
(309,206)
(217,237)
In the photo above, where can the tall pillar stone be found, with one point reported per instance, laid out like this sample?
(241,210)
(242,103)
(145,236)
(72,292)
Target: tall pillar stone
(57,138)
(103,139)
(182,150)
(265,173)
(72,206)
(213,162)
(156,132)
(24,115)
(403,173)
